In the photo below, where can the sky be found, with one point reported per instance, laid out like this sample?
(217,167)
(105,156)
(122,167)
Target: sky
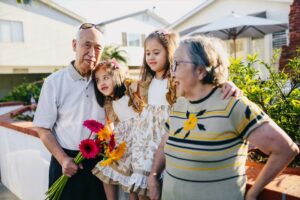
(97,11)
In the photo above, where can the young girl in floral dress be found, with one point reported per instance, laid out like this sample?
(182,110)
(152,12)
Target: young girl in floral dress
(119,98)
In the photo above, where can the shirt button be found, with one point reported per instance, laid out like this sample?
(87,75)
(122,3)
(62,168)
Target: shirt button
(87,95)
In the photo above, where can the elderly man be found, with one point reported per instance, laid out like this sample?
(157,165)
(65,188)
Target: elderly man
(67,99)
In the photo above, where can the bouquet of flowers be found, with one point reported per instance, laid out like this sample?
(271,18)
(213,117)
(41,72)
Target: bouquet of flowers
(101,141)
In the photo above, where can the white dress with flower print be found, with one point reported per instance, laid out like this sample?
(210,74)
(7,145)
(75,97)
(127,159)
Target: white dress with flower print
(119,173)
(150,129)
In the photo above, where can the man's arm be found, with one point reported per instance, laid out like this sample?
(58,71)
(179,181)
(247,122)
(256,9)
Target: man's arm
(69,168)
(157,167)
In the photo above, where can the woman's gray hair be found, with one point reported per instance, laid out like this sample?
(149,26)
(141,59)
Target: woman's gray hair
(208,52)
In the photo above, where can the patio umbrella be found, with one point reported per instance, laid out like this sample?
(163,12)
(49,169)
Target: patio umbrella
(238,26)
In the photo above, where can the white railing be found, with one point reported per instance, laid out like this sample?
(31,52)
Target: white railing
(24,164)
(7,109)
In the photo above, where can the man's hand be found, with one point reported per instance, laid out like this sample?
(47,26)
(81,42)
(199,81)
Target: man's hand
(69,168)
(154,187)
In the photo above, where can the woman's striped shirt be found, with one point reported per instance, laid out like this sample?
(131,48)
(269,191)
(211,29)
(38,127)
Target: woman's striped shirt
(207,147)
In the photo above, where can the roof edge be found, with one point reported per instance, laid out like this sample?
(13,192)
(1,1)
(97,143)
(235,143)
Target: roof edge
(191,13)
(63,10)
(147,11)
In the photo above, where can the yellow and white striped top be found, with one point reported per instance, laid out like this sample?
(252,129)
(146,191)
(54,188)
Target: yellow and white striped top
(207,147)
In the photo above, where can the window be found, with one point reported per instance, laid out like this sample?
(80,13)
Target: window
(279,39)
(11,31)
(133,39)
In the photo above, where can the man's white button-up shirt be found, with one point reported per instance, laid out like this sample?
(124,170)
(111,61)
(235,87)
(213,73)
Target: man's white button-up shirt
(66,100)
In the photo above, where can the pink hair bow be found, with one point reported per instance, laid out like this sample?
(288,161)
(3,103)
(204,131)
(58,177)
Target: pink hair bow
(115,63)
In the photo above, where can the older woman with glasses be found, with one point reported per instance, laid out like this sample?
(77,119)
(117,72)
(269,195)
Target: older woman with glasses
(205,150)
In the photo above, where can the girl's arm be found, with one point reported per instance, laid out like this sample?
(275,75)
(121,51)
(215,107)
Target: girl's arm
(272,140)
(157,167)
(230,89)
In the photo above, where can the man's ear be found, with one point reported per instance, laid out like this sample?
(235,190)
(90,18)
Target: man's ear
(74,43)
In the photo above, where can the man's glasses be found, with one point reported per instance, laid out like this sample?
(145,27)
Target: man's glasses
(176,63)
(90,25)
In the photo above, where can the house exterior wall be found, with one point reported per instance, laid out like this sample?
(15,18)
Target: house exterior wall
(140,25)
(277,10)
(48,34)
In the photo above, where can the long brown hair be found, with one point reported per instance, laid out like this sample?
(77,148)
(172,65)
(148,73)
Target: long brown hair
(169,40)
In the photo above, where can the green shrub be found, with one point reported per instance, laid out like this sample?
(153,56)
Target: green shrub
(278,95)
(24,92)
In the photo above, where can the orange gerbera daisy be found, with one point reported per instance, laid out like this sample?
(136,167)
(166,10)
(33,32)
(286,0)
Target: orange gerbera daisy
(104,134)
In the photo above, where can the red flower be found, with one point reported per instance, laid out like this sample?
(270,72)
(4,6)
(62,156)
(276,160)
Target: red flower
(99,145)
(112,142)
(88,148)
(93,125)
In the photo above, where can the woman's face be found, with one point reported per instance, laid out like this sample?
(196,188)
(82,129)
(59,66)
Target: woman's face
(104,82)
(185,74)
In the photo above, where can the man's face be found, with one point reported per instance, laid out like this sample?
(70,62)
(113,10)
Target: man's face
(88,48)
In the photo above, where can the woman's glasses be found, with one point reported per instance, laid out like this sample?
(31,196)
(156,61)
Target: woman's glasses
(176,63)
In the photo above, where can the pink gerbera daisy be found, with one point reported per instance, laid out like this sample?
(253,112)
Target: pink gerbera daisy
(88,148)
(93,125)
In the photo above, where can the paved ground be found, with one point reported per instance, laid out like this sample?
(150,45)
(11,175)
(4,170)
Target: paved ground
(5,194)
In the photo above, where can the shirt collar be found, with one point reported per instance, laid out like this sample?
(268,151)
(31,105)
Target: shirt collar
(74,74)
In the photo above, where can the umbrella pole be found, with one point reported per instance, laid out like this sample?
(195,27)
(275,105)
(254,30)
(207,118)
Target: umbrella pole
(234,47)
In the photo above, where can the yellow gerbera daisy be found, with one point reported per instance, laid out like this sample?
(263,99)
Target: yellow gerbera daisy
(115,155)
(106,162)
(118,152)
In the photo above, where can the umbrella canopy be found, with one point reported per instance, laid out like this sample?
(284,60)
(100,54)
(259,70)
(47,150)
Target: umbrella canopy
(241,26)
(237,26)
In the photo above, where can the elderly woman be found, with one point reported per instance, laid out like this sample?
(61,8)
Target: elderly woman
(205,150)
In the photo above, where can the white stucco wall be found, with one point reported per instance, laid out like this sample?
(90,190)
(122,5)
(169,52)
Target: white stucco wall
(24,164)
(47,38)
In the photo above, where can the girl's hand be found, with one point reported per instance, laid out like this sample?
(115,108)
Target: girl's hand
(230,89)
(154,188)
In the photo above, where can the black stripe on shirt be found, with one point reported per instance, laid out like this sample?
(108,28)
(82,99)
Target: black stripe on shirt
(208,143)
(205,181)
(205,161)
(200,149)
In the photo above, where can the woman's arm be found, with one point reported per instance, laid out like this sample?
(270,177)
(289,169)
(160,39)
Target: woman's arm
(157,167)
(272,140)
